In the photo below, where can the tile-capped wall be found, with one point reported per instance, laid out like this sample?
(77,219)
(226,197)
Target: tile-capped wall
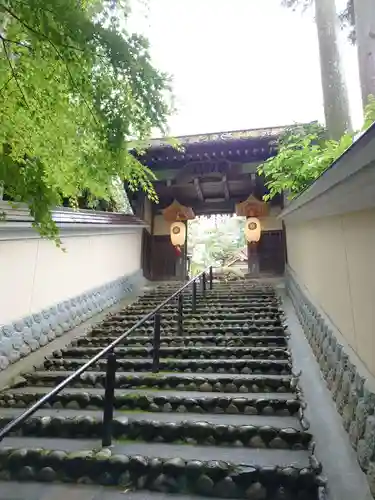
(354,400)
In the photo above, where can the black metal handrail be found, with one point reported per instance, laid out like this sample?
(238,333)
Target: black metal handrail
(111,359)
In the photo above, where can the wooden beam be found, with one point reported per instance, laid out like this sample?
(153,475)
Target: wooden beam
(198,189)
(208,207)
(226,187)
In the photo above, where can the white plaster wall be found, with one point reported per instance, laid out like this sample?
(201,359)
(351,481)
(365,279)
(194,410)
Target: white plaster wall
(334,258)
(34,274)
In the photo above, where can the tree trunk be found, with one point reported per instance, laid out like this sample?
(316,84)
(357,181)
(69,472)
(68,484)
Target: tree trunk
(365,30)
(335,94)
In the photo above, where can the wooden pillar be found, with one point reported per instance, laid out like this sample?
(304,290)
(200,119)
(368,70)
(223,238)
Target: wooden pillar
(285,243)
(182,260)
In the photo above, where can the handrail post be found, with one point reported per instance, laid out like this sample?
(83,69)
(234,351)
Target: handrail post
(156,344)
(180,326)
(211,278)
(109,399)
(111,366)
(194,298)
(204,284)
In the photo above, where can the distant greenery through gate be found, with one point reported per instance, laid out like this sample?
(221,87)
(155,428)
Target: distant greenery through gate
(214,240)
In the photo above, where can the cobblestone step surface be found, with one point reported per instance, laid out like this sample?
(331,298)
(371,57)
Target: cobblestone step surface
(224,417)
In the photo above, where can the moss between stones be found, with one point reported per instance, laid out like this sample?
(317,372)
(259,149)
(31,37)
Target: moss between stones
(173,475)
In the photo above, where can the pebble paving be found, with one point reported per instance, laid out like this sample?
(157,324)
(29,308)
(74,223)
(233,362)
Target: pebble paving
(224,418)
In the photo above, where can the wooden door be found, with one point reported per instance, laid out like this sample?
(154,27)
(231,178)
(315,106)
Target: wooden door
(163,259)
(271,252)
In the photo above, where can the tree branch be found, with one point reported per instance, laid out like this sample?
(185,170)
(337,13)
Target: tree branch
(14,73)
(36,32)
(45,37)
(20,44)
(6,83)
(73,82)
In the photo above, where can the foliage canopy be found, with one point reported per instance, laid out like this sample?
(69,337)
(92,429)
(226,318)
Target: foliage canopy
(76,87)
(303,154)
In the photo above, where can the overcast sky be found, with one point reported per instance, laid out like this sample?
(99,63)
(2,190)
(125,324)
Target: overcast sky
(240,64)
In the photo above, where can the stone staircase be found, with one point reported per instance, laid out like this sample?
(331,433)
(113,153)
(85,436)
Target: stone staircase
(223,418)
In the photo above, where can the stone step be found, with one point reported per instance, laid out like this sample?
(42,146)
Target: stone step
(206,321)
(238,473)
(219,311)
(224,421)
(209,301)
(278,422)
(167,381)
(217,290)
(259,457)
(204,303)
(242,291)
(188,331)
(224,319)
(193,340)
(16,490)
(172,310)
(203,306)
(274,353)
(247,366)
(158,401)
(189,432)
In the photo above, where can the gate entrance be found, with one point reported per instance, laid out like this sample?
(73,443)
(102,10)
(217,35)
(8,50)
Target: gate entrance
(210,173)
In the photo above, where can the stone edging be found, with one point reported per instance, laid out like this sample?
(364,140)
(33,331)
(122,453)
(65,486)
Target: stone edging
(354,401)
(27,334)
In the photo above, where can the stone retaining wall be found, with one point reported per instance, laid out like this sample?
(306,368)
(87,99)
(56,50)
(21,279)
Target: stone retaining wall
(27,334)
(354,401)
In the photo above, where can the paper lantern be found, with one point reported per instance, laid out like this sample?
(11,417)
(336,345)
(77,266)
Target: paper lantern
(252,229)
(178,233)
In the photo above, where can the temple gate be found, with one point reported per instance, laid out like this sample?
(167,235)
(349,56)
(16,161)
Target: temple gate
(210,173)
